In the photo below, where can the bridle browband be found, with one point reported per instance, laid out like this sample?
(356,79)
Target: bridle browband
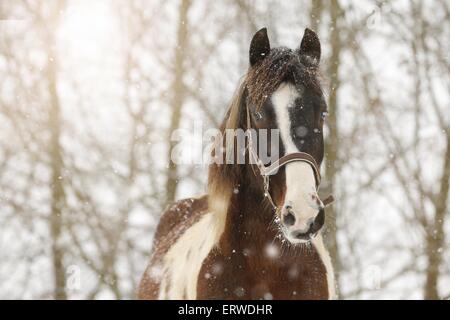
(265,172)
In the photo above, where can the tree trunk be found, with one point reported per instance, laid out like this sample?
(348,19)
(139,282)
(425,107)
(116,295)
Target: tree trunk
(178,92)
(57,200)
(57,189)
(331,144)
(316,14)
(435,233)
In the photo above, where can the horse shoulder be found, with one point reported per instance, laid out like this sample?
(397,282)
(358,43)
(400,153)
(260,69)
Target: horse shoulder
(173,224)
(179,217)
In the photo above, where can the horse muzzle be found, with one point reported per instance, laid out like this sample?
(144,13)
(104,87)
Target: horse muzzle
(300,230)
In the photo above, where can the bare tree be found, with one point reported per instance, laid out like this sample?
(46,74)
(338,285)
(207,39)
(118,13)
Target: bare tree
(178,92)
(84,164)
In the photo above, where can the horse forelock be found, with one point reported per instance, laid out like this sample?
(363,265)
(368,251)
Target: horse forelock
(264,78)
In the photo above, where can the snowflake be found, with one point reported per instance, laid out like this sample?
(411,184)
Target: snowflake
(268,296)
(272,251)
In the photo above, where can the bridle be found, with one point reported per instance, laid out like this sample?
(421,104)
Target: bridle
(265,172)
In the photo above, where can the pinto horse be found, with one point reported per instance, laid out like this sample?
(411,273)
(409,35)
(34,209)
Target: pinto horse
(248,239)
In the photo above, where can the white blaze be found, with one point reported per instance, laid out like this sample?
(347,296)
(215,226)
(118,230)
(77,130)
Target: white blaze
(300,180)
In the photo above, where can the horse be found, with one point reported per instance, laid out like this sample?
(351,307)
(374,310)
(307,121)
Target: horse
(246,238)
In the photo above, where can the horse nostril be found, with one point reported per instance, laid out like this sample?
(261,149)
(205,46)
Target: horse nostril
(302,235)
(289,219)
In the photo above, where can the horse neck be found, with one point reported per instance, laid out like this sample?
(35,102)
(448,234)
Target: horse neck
(250,216)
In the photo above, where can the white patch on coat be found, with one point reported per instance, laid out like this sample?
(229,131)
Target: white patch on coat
(183,261)
(325,256)
(300,181)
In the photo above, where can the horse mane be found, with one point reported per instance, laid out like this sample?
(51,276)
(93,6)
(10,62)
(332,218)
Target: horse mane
(223,178)
(260,82)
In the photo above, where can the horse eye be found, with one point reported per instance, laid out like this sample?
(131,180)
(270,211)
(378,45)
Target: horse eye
(324,114)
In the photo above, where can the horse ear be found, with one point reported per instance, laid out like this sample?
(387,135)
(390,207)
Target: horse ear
(259,47)
(310,46)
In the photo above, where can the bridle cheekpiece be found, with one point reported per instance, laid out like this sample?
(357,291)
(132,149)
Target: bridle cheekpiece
(265,172)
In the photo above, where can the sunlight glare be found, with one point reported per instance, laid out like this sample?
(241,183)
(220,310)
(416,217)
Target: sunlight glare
(87,28)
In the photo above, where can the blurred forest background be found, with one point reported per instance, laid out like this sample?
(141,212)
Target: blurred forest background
(90,92)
